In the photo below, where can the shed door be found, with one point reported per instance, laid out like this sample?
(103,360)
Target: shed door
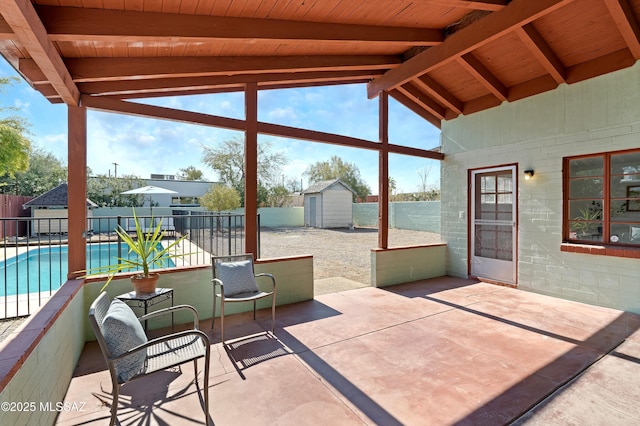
(493,222)
(312,211)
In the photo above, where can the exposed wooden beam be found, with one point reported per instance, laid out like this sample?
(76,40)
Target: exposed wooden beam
(532,87)
(627,24)
(315,136)
(213,82)
(491,5)
(152,111)
(439,93)
(422,99)
(77,190)
(484,76)
(79,24)
(251,169)
(234,88)
(6,33)
(47,90)
(542,52)
(605,64)
(105,69)
(333,139)
(32,71)
(481,103)
(413,106)
(494,26)
(181,92)
(231,88)
(383,171)
(24,21)
(415,152)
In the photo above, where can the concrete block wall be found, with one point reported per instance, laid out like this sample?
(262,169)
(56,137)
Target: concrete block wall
(594,116)
(407,264)
(43,353)
(412,215)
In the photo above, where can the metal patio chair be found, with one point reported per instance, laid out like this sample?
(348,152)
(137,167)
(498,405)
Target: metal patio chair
(128,353)
(234,281)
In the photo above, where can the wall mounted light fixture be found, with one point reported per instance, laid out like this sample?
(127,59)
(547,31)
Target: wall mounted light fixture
(528,174)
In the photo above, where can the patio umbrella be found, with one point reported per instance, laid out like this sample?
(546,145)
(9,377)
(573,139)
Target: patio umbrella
(148,190)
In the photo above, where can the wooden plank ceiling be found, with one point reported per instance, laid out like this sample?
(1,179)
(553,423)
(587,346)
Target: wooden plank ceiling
(440,58)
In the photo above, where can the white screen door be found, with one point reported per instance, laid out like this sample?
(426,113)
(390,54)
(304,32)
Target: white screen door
(493,224)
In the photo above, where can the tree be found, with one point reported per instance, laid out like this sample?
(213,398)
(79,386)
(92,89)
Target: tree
(392,185)
(15,146)
(293,185)
(220,197)
(426,192)
(336,168)
(44,173)
(278,197)
(106,190)
(190,173)
(424,174)
(228,161)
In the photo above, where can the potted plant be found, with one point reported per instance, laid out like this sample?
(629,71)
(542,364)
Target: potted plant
(585,224)
(144,252)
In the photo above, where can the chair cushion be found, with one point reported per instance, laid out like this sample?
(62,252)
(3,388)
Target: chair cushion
(237,277)
(122,331)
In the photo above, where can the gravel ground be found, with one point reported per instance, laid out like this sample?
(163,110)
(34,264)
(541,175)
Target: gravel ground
(336,252)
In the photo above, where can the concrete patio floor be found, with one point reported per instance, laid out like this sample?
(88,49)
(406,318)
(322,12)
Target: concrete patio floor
(436,352)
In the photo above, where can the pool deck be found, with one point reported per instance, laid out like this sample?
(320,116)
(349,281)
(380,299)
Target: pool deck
(435,352)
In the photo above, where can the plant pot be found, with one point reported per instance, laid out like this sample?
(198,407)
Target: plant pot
(145,285)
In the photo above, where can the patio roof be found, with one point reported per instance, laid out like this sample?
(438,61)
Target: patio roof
(440,58)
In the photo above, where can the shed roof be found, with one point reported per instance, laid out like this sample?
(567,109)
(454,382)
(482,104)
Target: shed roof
(57,197)
(326,184)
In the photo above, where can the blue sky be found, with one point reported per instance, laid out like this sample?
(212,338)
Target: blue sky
(143,146)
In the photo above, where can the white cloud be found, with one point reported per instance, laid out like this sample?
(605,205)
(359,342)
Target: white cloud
(283,115)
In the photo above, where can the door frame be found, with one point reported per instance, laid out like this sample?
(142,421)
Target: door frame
(471,220)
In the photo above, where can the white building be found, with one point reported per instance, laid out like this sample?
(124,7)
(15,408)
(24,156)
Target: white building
(328,204)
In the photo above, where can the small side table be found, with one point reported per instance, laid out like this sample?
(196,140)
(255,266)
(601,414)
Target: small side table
(146,300)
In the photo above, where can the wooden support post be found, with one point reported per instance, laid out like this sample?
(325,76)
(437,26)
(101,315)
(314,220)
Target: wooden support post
(383,172)
(251,170)
(77,201)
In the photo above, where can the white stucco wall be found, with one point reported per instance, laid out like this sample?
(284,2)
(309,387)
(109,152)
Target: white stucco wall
(598,115)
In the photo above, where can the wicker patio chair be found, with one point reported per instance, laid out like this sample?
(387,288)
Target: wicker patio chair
(234,281)
(130,356)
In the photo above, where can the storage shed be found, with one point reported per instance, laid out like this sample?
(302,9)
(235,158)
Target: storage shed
(52,211)
(328,204)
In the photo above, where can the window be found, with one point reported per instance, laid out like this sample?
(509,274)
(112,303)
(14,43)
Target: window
(602,198)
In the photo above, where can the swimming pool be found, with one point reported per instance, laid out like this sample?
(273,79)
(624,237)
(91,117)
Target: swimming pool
(44,269)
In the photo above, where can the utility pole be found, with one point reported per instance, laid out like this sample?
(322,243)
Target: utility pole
(115,170)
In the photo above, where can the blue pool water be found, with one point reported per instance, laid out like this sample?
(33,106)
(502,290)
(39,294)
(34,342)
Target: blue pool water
(44,269)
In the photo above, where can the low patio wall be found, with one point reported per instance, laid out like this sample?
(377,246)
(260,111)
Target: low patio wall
(37,360)
(405,264)
(192,286)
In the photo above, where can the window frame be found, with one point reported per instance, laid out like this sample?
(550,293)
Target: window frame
(606,215)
